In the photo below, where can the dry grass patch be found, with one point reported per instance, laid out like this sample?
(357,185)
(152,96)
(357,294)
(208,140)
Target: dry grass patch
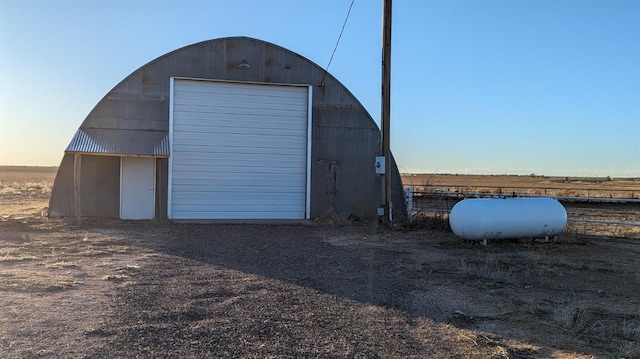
(576,317)
(118,278)
(29,189)
(488,268)
(62,265)
(602,327)
(430,220)
(7,258)
(26,280)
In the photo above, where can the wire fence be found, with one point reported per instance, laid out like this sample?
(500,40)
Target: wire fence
(577,193)
(601,216)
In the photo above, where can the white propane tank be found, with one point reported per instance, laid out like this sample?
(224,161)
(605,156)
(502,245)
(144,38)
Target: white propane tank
(501,218)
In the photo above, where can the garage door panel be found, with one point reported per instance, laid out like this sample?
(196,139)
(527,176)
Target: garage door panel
(195,154)
(250,194)
(196,191)
(236,91)
(208,92)
(227,109)
(243,215)
(239,151)
(222,181)
(247,98)
(205,133)
(189,88)
(231,203)
(272,163)
(280,175)
(254,128)
(228,166)
(291,136)
(282,141)
(231,126)
(214,204)
(231,206)
(225,122)
(283,177)
(232,105)
(254,112)
(236,147)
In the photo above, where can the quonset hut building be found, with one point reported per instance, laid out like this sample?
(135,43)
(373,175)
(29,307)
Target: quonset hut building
(227,129)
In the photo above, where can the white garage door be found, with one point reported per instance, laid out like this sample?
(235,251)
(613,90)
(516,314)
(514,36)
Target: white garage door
(238,150)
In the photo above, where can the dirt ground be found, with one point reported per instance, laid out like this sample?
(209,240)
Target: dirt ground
(331,288)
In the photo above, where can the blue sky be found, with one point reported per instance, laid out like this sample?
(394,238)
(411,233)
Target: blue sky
(478,86)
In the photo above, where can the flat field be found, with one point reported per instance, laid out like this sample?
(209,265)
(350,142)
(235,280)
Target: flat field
(331,288)
(527,185)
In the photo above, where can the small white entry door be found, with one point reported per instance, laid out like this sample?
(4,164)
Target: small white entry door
(137,187)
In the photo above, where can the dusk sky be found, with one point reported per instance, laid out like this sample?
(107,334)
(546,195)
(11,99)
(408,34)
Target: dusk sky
(478,86)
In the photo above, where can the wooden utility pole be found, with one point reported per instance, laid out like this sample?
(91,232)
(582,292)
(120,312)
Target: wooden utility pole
(386,108)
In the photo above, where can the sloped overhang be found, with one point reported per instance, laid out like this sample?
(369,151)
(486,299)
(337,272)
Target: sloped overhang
(101,141)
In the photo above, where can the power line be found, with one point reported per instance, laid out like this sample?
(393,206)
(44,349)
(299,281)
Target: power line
(337,42)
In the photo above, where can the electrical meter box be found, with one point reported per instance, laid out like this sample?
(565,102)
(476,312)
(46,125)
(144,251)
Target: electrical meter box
(380,165)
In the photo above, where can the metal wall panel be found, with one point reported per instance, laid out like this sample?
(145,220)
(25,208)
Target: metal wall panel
(61,200)
(238,151)
(100,186)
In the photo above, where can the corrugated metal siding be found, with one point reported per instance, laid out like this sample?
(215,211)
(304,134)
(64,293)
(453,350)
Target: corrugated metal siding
(239,151)
(120,142)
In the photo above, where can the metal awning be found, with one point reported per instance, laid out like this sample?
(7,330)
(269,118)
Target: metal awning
(120,142)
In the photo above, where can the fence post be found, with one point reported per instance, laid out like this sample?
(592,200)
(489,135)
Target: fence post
(408,198)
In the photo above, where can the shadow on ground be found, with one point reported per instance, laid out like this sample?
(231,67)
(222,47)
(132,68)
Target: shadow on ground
(358,291)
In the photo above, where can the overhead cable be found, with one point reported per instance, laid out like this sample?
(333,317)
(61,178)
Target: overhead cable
(337,42)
